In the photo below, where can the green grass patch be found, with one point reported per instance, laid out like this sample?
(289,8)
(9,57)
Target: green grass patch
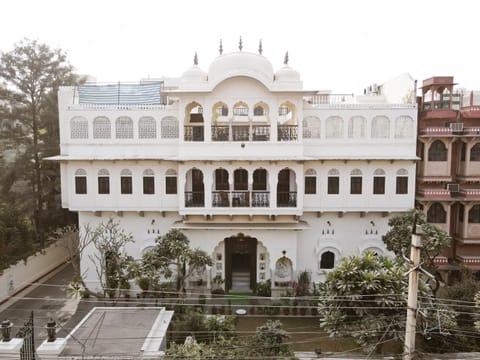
(240,298)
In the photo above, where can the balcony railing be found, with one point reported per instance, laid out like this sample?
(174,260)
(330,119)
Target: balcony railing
(193,133)
(260,199)
(240,198)
(287,132)
(330,99)
(260,133)
(287,199)
(237,198)
(445,130)
(220,133)
(241,133)
(194,199)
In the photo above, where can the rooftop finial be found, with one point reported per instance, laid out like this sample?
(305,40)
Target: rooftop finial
(240,44)
(220,48)
(285,60)
(260,48)
(195,59)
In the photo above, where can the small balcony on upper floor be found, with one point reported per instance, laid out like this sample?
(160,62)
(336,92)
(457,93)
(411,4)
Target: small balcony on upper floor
(240,124)
(240,194)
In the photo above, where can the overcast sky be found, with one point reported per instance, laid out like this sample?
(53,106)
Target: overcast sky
(342,45)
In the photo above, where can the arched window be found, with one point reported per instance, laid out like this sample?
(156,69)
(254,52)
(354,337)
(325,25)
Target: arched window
(221,179)
(380,127)
(240,109)
(78,128)
(474,215)
(286,114)
(258,110)
(194,113)
(310,182)
(403,127)
(333,187)
(437,151)
(171,182)
(286,188)
(436,214)
(103,181)
(356,182)
(402,182)
(327,260)
(379,182)
(147,128)
(311,127)
(475,152)
(169,127)
(240,179)
(124,128)
(126,181)
(260,180)
(334,127)
(102,128)
(148,182)
(220,109)
(80,181)
(356,127)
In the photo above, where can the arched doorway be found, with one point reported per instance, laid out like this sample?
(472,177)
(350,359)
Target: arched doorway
(240,263)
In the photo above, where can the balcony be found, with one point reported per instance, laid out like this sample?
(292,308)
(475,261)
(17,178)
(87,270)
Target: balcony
(240,199)
(287,133)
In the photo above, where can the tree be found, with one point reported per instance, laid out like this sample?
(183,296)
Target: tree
(172,255)
(111,261)
(434,240)
(365,298)
(112,264)
(32,73)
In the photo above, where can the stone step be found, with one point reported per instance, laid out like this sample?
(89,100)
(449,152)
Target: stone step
(241,281)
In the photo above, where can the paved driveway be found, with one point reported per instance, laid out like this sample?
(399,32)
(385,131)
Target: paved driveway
(47,300)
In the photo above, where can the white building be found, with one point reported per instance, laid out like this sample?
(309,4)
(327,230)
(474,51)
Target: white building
(268,178)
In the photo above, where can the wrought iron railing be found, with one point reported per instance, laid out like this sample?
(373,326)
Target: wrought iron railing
(287,199)
(260,133)
(260,199)
(241,133)
(287,132)
(193,133)
(240,198)
(220,133)
(194,199)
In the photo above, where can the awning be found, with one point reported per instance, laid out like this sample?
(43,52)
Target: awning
(301,225)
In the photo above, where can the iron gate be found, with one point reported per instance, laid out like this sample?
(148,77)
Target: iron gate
(27,351)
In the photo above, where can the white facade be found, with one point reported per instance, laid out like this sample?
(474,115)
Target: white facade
(252,155)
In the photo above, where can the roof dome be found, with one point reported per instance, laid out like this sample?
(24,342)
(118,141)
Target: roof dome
(194,74)
(286,73)
(241,64)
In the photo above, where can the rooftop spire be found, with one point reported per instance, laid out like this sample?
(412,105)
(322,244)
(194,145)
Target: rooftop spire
(240,44)
(195,59)
(285,60)
(220,48)
(260,48)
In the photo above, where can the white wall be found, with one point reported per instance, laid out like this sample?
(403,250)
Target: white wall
(18,276)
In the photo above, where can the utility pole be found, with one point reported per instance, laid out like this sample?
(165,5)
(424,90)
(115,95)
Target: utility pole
(410,328)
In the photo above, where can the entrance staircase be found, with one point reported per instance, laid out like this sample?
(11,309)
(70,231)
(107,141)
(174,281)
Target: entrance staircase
(241,281)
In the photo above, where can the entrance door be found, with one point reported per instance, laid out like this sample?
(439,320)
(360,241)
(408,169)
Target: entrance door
(240,262)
